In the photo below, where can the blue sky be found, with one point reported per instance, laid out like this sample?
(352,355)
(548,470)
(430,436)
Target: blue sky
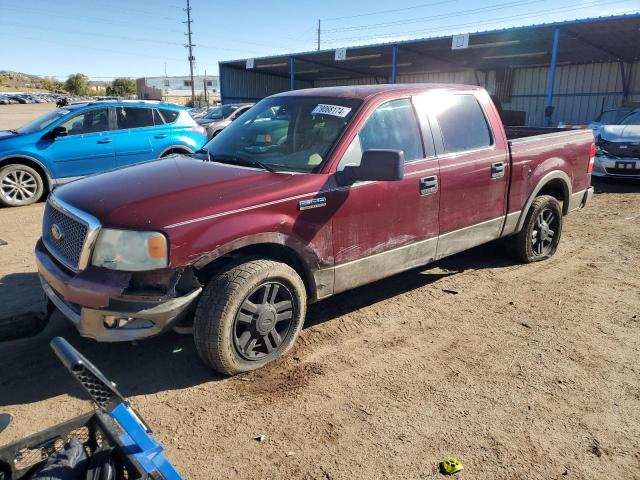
(110,38)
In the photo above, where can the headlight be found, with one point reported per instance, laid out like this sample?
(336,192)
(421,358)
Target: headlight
(130,250)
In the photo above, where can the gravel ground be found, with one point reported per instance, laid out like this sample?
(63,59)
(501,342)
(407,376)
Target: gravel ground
(527,372)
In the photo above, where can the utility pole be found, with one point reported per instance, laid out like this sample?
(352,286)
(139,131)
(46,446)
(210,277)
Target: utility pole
(190,46)
(205,87)
(318,34)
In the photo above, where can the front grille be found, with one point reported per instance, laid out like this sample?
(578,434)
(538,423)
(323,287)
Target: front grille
(623,171)
(622,149)
(73,233)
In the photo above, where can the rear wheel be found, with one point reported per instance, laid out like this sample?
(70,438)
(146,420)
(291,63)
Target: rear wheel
(540,234)
(20,185)
(249,315)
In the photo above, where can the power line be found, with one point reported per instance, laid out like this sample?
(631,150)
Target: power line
(441,16)
(392,10)
(475,24)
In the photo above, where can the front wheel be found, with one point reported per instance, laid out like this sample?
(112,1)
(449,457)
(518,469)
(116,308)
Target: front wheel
(249,315)
(20,185)
(540,234)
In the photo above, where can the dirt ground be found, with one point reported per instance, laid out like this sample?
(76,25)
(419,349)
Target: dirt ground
(527,372)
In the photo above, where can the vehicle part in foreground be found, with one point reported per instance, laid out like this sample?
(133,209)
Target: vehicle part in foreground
(310,194)
(618,148)
(116,439)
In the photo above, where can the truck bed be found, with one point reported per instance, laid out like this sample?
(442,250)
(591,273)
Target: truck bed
(535,151)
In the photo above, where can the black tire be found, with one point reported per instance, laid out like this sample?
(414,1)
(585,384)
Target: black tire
(20,185)
(234,330)
(544,220)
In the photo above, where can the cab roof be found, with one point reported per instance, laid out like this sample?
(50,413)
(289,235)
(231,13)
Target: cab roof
(364,92)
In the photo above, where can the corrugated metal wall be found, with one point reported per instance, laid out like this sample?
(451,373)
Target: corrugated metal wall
(581,92)
(251,86)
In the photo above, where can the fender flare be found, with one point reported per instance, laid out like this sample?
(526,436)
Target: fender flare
(172,147)
(51,183)
(307,257)
(556,174)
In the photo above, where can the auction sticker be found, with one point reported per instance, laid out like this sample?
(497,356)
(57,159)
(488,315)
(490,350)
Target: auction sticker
(335,110)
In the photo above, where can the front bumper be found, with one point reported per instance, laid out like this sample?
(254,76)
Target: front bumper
(98,308)
(618,167)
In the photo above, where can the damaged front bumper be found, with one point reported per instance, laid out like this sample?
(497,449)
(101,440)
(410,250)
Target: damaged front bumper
(94,301)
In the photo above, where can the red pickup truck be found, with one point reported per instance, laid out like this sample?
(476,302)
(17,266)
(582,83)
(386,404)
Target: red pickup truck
(308,194)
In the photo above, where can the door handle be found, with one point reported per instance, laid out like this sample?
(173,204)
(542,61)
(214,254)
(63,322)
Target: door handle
(161,135)
(497,170)
(428,185)
(105,140)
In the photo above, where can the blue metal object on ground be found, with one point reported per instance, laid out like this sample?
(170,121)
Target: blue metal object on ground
(148,452)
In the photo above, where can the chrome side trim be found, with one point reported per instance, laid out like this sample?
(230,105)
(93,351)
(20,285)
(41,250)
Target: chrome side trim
(511,223)
(468,237)
(64,180)
(575,200)
(381,265)
(93,225)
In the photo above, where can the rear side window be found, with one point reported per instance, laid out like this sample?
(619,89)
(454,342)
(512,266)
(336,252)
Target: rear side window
(163,116)
(134,117)
(463,124)
(393,125)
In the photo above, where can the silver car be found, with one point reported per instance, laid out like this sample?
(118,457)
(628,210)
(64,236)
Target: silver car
(618,148)
(216,119)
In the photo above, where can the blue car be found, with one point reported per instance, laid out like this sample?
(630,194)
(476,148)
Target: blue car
(87,138)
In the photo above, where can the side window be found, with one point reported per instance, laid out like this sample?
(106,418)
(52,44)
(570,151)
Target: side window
(463,125)
(134,117)
(393,125)
(166,116)
(90,121)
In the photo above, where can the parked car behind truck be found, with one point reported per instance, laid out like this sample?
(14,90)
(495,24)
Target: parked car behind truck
(365,182)
(618,148)
(87,138)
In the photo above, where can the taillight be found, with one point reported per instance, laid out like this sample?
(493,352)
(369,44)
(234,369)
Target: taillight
(592,157)
(199,129)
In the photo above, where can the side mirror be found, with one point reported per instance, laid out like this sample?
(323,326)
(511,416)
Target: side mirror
(380,165)
(57,132)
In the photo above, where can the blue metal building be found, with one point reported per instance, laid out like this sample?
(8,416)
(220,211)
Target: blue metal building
(579,67)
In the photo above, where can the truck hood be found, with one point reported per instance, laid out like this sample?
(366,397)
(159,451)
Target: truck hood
(178,188)
(620,133)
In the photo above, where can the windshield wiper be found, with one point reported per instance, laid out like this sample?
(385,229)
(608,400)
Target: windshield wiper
(242,161)
(13,130)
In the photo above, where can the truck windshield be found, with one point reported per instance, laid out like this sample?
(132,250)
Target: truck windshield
(43,121)
(293,133)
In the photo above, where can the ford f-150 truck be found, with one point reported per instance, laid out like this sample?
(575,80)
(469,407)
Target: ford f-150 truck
(308,194)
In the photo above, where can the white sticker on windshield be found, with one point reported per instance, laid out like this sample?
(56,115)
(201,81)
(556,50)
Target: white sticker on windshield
(335,110)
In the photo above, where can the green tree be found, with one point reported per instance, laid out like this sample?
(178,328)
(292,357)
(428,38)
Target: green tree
(52,85)
(77,84)
(122,87)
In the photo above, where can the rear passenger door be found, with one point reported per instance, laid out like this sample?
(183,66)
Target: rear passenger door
(381,228)
(473,169)
(136,137)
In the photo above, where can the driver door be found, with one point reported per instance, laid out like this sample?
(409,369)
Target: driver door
(86,148)
(385,227)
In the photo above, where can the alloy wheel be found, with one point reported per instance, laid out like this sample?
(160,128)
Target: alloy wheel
(18,186)
(543,233)
(264,320)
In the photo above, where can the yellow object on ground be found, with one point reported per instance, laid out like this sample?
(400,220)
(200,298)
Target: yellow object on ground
(450,466)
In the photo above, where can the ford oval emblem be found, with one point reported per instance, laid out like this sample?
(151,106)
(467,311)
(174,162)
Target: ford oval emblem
(56,232)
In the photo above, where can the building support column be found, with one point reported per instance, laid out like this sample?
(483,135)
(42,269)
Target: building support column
(292,73)
(625,81)
(394,63)
(548,104)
